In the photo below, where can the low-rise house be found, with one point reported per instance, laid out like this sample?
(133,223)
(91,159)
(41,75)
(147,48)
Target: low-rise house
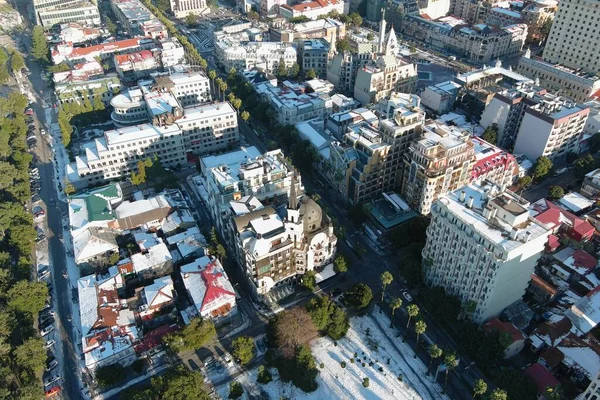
(180,219)
(190,243)
(585,314)
(578,263)
(108,327)
(148,212)
(155,298)
(93,245)
(549,334)
(209,288)
(542,377)
(134,66)
(94,207)
(575,203)
(563,221)
(591,184)
(157,261)
(542,291)
(513,335)
(440,98)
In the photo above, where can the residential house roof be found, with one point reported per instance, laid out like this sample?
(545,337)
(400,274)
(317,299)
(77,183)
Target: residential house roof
(137,213)
(580,355)
(160,292)
(553,332)
(506,327)
(541,376)
(543,285)
(93,242)
(585,314)
(552,357)
(156,256)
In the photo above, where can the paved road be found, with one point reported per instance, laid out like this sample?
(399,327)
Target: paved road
(541,190)
(62,290)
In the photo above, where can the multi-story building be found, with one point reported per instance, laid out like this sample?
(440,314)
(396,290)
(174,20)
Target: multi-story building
(182,8)
(439,162)
(52,12)
(591,184)
(311,9)
(479,43)
(536,15)
(441,97)
(270,7)
(172,52)
(313,54)
(577,85)
(293,105)
(473,11)
(493,164)
(76,33)
(573,39)
(379,78)
(137,19)
(368,159)
(178,90)
(245,50)
(201,129)
(434,8)
(106,87)
(482,246)
(592,125)
(326,28)
(65,52)
(81,72)
(134,66)
(276,247)
(502,17)
(535,122)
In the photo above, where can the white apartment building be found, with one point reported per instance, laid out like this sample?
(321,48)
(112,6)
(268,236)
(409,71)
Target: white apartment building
(535,122)
(311,9)
(325,28)
(592,125)
(137,19)
(380,78)
(83,11)
(134,66)
(576,85)
(202,129)
(574,37)
(482,246)
(434,8)
(172,52)
(270,7)
(441,97)
(182,8)
(439,162)
(293,105)
(76,33)
(164,92)
(246,50)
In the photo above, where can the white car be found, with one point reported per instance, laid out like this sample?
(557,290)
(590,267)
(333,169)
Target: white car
(407,296)
(51,379)
(43,131)
(47,330)
(50,343)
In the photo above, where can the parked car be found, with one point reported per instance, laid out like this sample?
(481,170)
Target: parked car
(29,111)
(47,330)
(50,343)
(48,321)
(407,296)
(560,171)
(43,131)
(51,365)
(44,270)
(35,198)
(51,379)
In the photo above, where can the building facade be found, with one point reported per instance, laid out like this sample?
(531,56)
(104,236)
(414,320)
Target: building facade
(313,54)
(571,42)
(137,19)
(482,246)
(182,8)
(311,9)
(84,12)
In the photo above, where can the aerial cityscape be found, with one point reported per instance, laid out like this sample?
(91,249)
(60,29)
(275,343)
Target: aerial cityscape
(299,199)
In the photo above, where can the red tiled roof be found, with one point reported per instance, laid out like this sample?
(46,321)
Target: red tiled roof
(113,46)
(553,242)
(496,325)
(554,330)
(154,338)
(552,357)
(213,288)
(541,376)
(585,260)
(542,284)
(552,214)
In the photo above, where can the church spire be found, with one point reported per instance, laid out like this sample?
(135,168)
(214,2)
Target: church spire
(293,200)
(381,32)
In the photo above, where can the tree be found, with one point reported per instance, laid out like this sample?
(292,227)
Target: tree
(311,74)
(264,375)
(236,103)
(370,36)
(163,5)
(62,67)
(386,278)
(243,349)
(356,19)
(451,363)
(340,265)
(281,69)
(236,390)
(112,28)
(595,142)
(191,19)
(584,165)
(480,388)
(359,296)
(320,309)
(305,371)
(434,352)
(395,304)
(338,324)
(413,311)
(524,181)
(543,165)
(177,383)
(309,280)
(31,356)
(490,134)
(28,297)
(556,192)
(212,75)
(113,259)
(294,71)
(293,328)
(553,393)
(342,45)
(17,62)
(98,104)
(39,44)
(420,328)
(110,374)
(245,115)
(192,337)
(498,394)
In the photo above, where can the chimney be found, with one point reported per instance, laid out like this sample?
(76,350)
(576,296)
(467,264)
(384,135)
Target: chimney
(470,203)
(463,194)
(527,236)
(513,233)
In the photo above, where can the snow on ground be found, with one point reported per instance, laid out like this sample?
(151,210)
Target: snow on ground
(364,341)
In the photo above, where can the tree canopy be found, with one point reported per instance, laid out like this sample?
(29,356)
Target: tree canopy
(359,296)
(198,333)
(542,167)
(39,44)
(556,192)
(293,328)
(243,349)
(490,134)
(178,383)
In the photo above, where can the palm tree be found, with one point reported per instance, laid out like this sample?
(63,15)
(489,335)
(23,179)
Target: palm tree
(245,115)
(480,388)
(420,328)
(222,88)
(434,352)
(236,103)
(451,363)
(395,303)
(217,84)
(413,311)
(554,393)
(231,97)
(212,74)
(386,279)
(498,394)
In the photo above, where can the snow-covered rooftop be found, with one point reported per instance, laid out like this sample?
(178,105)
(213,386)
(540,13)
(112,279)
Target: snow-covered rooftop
(575,202)
(129,208)
(585,314)
(156,256)
(159,292)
